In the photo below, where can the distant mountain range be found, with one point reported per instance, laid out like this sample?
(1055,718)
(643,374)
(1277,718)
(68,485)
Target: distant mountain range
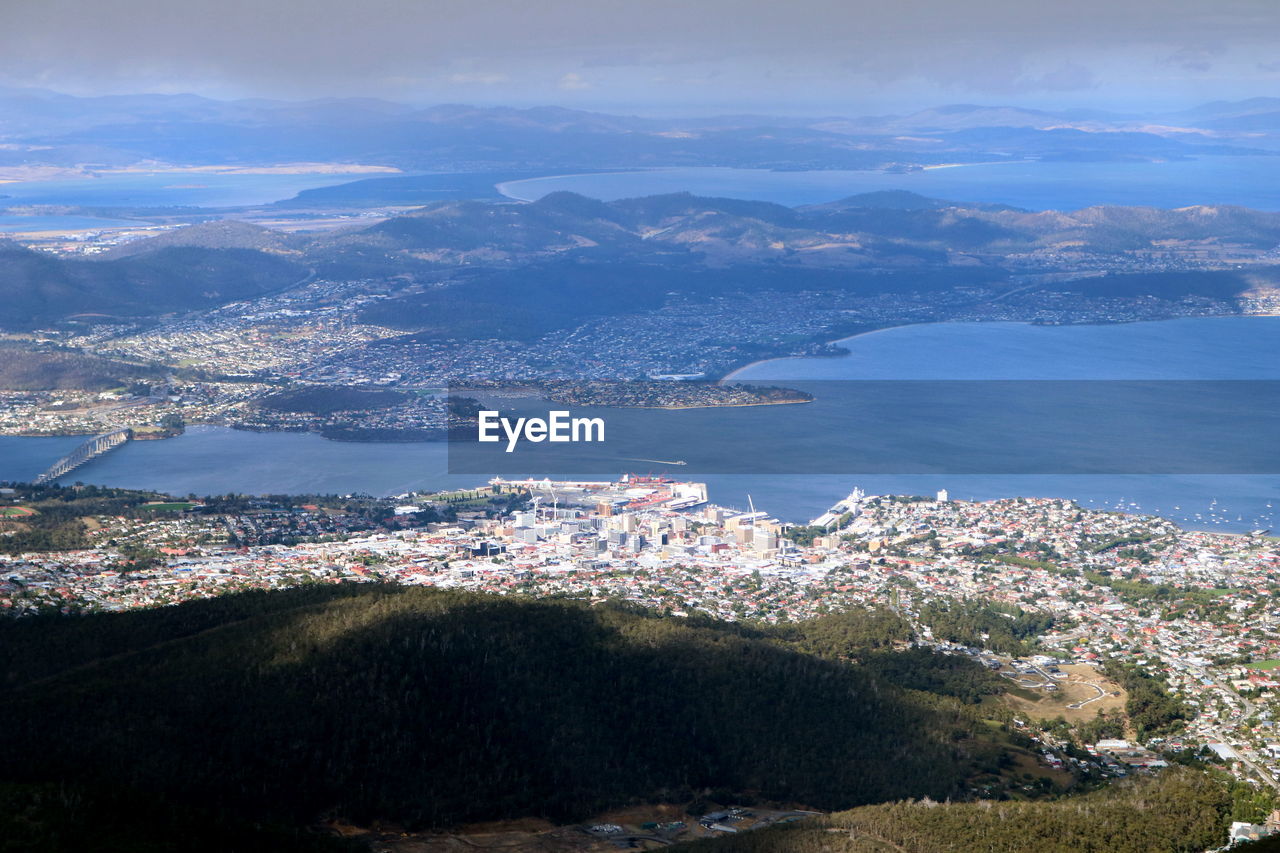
(39,128)
(566,257)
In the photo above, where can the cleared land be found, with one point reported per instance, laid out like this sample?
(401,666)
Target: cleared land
(170,506)
(642,827)
(1079,697)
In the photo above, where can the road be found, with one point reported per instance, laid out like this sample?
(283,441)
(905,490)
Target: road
(1246,754)
(1075,706)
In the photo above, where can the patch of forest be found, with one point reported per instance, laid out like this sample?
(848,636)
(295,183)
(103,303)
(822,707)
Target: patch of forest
(1179,811)
(25,370)
(1151,708)
(987,624)
(36,288)
(327,399)
(433,708)
(58,818)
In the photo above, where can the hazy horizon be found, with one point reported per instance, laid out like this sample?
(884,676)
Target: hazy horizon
(814,57)
(658,111)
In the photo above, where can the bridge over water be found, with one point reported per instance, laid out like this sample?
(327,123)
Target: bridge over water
(91,449)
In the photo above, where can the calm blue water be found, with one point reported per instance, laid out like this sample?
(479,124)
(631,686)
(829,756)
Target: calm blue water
(23,459)
(166,189)
(211,460)
(1241,500)
(1252,181)
(1188,348)
(1248,181)
(10,224)
(216,460)
(1192,348)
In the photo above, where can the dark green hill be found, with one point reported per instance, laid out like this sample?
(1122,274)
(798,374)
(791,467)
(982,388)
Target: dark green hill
(532,300)
(656,209)
(38,289)
(528,302)
(26,370)
(1221,284)
(327,399)
(218,234)
(433,708)
(897,200)
(55,818)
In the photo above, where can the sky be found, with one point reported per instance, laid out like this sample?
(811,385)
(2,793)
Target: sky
(789,56)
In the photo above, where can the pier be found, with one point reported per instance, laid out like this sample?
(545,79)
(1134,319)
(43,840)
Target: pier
(91,449)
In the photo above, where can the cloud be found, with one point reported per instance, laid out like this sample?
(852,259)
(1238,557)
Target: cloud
(1069,77)
(483,78)
(971,68)
(572,82)
(787,52)
(1197,58)
(654,57)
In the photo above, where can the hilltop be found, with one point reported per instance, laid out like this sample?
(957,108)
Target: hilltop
(217,234)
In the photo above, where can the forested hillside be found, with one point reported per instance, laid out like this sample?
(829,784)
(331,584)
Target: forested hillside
(25,370)
(433,708)
(38,289)
(59,818)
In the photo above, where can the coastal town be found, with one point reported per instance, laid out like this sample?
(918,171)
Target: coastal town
(217,368)
(1064,590)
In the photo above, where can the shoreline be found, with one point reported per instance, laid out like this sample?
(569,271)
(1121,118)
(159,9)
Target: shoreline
(39,174)
(733,374)
(999,493)
(502,186)
(713,406)
(984,163)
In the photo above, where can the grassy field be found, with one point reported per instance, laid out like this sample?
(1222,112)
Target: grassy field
(1078,687)
(16,512)
(1265,664)
(172,506)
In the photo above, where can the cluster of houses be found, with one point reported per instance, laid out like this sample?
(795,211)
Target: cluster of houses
(1191,607)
